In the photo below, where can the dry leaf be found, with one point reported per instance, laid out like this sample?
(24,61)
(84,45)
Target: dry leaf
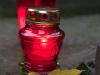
(32,73)
(65,72)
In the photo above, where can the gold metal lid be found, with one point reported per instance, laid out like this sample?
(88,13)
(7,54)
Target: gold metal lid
(43,15)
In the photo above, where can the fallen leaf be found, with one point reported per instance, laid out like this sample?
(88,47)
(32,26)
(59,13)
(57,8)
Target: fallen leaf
(32,73)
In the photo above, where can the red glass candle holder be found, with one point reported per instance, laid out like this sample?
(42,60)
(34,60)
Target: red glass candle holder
(41,39)
(50,3)
(23,4)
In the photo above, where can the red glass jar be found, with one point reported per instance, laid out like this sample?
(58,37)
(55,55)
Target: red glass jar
(21,11)
(41,39)
(50,3)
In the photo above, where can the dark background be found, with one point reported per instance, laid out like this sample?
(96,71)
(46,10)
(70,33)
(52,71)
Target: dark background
(67,7)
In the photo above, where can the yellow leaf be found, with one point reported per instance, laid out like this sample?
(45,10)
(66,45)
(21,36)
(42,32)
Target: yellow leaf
(65,72)
(54,72)
(74,72)
(32,73)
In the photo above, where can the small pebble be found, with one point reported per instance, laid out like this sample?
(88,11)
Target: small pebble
(71,48)
(92,47)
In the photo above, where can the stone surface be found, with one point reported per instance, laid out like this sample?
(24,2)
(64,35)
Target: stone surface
(82,36)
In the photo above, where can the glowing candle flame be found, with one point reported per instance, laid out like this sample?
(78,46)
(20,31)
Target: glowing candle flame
(44,40)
